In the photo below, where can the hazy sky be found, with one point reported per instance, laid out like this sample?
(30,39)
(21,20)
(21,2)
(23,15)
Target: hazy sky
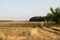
(24,9)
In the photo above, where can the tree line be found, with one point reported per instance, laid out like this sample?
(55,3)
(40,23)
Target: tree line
(53,16)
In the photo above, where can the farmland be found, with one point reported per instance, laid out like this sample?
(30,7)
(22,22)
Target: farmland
(27,31)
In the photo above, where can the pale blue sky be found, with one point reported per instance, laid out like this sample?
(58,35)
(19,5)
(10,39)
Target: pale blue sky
(24,9)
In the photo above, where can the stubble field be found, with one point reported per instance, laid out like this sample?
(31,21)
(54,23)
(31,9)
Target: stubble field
(27,31)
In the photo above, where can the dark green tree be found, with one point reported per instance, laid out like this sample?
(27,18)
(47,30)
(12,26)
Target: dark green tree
(38,19)
(49,17)
(55,14)
(34,19)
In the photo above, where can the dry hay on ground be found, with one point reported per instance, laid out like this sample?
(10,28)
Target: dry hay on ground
(27,33)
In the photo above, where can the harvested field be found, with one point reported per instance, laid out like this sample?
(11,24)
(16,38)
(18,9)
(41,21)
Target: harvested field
(27,31)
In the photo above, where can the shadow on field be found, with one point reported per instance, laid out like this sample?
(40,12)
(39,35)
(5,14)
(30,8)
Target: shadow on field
(55,31)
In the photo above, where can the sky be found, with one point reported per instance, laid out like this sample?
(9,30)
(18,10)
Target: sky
(25,9)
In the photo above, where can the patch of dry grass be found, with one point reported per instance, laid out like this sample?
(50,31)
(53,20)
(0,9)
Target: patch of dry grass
(17,32)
